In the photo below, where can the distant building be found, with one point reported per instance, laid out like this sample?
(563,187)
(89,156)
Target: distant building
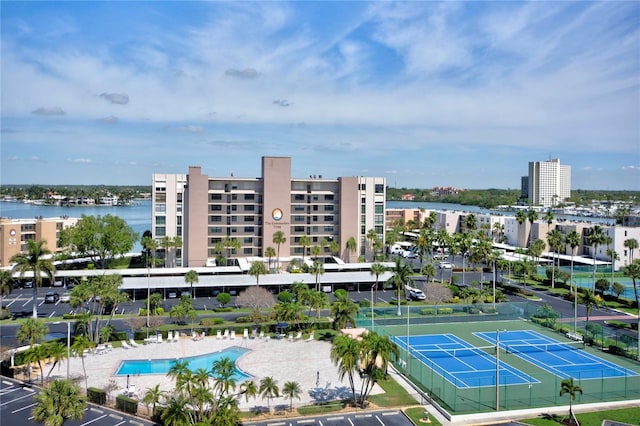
(549,183)
(408,197)
(205,211)
(439,191)
(14,234)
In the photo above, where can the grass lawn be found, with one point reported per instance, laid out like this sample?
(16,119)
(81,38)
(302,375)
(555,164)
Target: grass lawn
(394,395)
(627,415)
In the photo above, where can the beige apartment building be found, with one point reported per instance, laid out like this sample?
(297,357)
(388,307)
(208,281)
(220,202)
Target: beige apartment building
(206,211)
(14,234)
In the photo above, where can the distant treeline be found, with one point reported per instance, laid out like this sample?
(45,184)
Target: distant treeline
(491,198)
(38,192)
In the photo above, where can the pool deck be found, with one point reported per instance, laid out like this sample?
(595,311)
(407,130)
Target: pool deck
(299,361)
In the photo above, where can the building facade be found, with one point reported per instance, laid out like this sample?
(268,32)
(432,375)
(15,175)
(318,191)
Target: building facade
(548,183)
(14,234)
(238,217)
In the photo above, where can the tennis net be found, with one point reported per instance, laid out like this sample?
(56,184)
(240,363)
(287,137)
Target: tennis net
(544,347)
(455,353)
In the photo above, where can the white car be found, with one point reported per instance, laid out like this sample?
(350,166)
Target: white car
(65,297)
(408,254)
(445,265)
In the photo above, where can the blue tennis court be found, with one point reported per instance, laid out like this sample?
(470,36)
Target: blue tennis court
(565,360)
(460,363)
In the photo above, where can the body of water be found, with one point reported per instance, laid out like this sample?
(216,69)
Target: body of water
(137,215)
(162,366)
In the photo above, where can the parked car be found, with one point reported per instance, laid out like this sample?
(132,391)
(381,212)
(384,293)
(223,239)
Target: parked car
(409,254)
(415,294)
(172,295)
(65,297)
(51,297)
(445,265)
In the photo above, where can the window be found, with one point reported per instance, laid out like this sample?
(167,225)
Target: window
(379,208)
(161,231)
(315,218)
(234,230)
(298,229)
(179,220)
(248,229)
(215,230)
(215,208)
(179,231)
(215,197)
(328,218)
(161,220)
(248,197)
(234,197)
(234,218)
(298,197)
(179,197)
(249,219)
(215,218)
(249,208)
(328,229)
(248,240)
(248,251)
(298,218)
(161,208)
(328,208)
(379,188)
(315,208)
(328,197)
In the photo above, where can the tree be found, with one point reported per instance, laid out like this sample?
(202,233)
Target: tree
(36,354)
(59,401)
(270,252)
(256,298)
(80,344)
(521,218)
(345,354)
(375,354)
(569,387)
(35,261)
(100,238)
(596,238)
(153,396)
(231,244)
(291,390)
(573,240)
(602,286)
(150,246)
(191,277)
(631,244)
(32,330)
(257,268)
(56,351)
(532,216)
(269,389)
(428,271)
(372,236)
(400,278)
(589,300)
(317,269)
(617,289)
(102,292)
(278,239)
(223,298)
(343,311)
(350,246)
(6,284)
(633,271)
(377,269)
(305,242)
(548,217)
(554,238)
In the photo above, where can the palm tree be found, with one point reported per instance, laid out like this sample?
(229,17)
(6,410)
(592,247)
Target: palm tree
(317,269)
(633,271)
(428,271)
(176,243)
(31,331)
(278,238)
(589,300)
(631,244)
(36,354)
(613,255)
(351,246)
(80,344)
(573,240)
(316,251)
(150,246)
(372,236)
(59,401)
(596,237)
(231,244)
(177,412)
(305,242)
(270,252)
(548,217)
(166,243)
(56,351)
(532,216)
(35,261)
(400,278)
(375,354)
(291,390)
(554,238)
(471,223)
(316,300)
(498,229)
(191,277)
(249,389)
(521,218)
(345,354)
(257,268)
(343,311)
(223,371)
(269,389)
(153,396)
(377,269)
(6,284)
(572,389)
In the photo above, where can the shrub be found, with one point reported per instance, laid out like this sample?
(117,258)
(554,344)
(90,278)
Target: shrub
(208,322)
(223,309)
(126,404)
(445,311)
(364,303)
(242,320)
(428,311)
(98,396)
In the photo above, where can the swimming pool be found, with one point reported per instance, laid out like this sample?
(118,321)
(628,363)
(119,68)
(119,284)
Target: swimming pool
(162,366)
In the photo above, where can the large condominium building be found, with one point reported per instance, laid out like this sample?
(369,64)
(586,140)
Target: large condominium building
(211,212)
(549,183)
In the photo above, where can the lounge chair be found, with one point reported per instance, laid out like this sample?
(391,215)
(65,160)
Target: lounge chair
(169,337)
(254,333)
(245,335)
(226,334)
(233,335)
(133,343)
(290,337)
(262,334)
(125,345)
(310,338)
(176,336)
(218,335)
(160,338)
(202,335)
(298,336)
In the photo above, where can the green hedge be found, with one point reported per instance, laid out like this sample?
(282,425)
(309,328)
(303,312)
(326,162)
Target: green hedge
(428,311)
(98,396)
(445,311)
(242,320)
(209,322)
(126,404)
(225,309)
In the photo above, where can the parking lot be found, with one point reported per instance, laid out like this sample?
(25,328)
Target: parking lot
(17,403)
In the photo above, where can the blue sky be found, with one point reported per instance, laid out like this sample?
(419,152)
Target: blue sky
(426,94)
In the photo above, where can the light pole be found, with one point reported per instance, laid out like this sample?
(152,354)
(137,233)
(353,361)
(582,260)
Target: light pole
(148,295)
(408,334)
(372,308)
(68,343)
(498,369)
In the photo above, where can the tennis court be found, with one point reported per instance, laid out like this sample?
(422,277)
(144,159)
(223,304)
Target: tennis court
(460,363)
(565,360)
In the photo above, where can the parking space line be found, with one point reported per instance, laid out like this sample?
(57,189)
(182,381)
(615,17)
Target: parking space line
(14,400)
(94,420)
(24,408)
(390,413)
(27,302)
(380,420)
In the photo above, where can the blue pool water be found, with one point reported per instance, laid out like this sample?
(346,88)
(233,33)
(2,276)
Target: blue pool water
(162,366)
